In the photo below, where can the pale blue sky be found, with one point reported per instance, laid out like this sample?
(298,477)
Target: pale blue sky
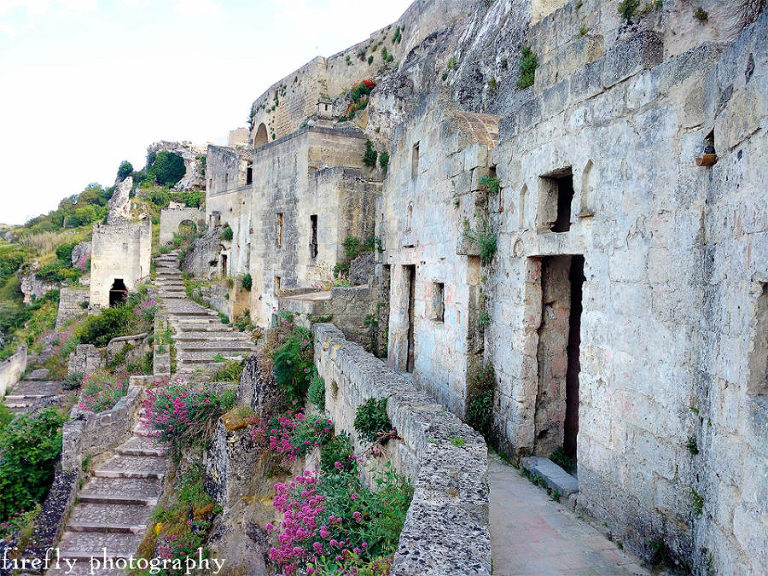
(85,84)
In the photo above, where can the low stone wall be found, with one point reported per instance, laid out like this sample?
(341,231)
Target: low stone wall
(70,304)
(12,369)
(91,434)
(446,530)
(85,359)
(134,348)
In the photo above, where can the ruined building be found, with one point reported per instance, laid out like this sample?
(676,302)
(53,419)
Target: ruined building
(596,231)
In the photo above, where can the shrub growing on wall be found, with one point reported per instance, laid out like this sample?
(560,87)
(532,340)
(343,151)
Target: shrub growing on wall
(227,234)
(292,365)
(371,419)
(125,169)
(110,323)
(247,282)
(528,64)
(370,155)
(480,399)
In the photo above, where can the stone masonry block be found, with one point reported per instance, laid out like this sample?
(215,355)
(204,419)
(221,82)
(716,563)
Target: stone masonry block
(642,51)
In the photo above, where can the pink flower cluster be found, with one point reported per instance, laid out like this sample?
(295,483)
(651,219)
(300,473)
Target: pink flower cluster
(286,438)
(147,308)
(174,410)
(101,393)
(305,536)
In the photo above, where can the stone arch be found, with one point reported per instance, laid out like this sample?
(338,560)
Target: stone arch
(261,137)
(173,218)
(587,204)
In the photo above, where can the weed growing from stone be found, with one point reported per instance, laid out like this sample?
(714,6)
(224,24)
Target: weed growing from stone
(371,419)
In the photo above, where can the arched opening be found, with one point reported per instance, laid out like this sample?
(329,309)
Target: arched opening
(187,230)
(261,136)
(118,293)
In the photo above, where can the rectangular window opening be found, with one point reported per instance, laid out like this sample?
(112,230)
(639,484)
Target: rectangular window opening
(313,241)
(278,281)
(438,302)
(249,173)
(415,161)
(279,230)
(555,199)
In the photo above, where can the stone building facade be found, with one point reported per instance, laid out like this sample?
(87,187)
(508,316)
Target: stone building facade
(121,256)
(599,237)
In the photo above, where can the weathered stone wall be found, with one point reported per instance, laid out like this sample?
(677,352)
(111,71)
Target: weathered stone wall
(449,532)
(352,309)
(70,304)
(85,359)
(12,368)
(132,348)
(35,288)
(426,207)
(89,434)
(121,250)
(172,217)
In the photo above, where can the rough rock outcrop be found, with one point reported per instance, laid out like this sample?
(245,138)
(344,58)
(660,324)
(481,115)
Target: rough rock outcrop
(193,156)
(120,203)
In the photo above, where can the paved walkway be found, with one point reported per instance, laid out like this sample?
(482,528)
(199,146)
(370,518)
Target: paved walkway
(533,536)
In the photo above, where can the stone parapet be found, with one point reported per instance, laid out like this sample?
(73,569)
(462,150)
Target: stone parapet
(446,530)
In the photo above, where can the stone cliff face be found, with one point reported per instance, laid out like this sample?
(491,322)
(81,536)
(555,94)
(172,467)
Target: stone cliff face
(193,156)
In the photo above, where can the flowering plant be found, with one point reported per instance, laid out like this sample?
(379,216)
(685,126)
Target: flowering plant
(332,520)
(286,438)
(101,391)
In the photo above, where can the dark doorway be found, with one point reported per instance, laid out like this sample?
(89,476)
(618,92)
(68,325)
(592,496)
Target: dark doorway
(557,401)
(118,293)
(571,431)
(224,265)
(249,173)
(410,277)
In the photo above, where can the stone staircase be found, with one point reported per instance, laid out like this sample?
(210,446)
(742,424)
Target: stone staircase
(113,508)
(31,393)
(200,336)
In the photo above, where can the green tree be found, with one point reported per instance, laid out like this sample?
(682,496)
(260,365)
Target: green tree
(168,168)
(125,170)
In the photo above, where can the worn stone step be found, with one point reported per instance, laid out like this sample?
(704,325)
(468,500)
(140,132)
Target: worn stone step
(121,466)
(35,387)
(142,446)
(121,491)
(208,335)
(215,346)
(205,357)
(87,545)
(142,430)
(85,516)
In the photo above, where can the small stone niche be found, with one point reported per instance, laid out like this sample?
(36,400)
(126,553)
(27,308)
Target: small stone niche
(555,200)
(437,304)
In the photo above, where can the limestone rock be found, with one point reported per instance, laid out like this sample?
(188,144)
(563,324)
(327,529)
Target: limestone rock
(34,288)
(80,254)
(362,268)
(194,177)
(120,203)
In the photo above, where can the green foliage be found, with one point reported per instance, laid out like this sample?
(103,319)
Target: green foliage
(370,155)
(6,416)
(627,8)
(230,372)
(247,282)
(227,234)
(316,391)
(124,170)
(55,271)
(583,31)
(692,445)
(30,447)
(493,85)
(371,419)
(64,253)
(72,381)
(701,14)
(193,198)
(370,59)
(352,247)
(491,183)
(486,239)
(457,441)
(453,64)
(337,449)
(528,64)
(110,323)
(167,169)
(292,365)
(697,502)
(480,387)
(398,36)
(384,161)
(565,462)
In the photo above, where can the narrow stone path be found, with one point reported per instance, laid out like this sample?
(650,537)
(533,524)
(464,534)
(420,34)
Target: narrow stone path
(35,391)
(531,535)
(200,335)
(114,506)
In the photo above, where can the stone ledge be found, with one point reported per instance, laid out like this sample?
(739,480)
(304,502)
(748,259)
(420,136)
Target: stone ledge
(555,477)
